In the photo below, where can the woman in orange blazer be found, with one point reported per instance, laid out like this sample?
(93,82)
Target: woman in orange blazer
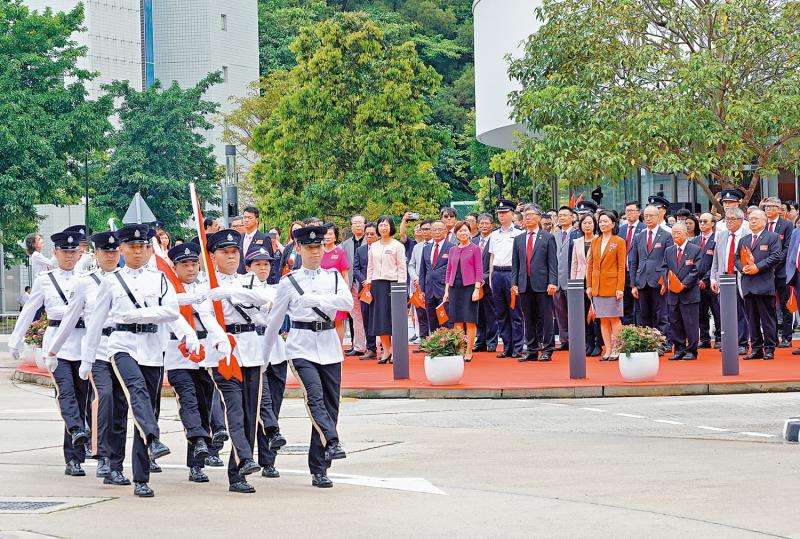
(606,276)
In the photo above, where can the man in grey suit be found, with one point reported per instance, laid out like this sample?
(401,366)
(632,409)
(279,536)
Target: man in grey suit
(563,234)
(350,245)
(486,339)
(414,267)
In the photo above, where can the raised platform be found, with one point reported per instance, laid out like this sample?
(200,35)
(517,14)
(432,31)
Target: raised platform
(489,377)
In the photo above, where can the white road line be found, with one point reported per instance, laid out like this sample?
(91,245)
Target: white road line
(668,422)
(594,410)
(715,429)
(552,404)
(631,415)
(758,434)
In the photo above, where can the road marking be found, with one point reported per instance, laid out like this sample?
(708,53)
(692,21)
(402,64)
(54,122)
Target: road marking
(594,410)
(552,404)
(30,411)
(715,429)
(757,434)
(668,422)
(631,415)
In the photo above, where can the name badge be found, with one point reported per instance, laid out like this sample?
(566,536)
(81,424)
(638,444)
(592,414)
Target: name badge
(612,246)
(763,247)
(259,242)
(446,255)
(657,245)
(710,252)
(334,257)
(690,262)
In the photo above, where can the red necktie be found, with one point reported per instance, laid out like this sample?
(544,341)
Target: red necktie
(435,254)
(703,245)
(731,254)
(680,251)
(529,252)
(628,238)
(649,240)
(772,226)
(753,245)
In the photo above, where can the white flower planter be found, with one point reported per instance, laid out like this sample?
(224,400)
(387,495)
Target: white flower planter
(444,370)
(29,354)
(639,366)
(39,358)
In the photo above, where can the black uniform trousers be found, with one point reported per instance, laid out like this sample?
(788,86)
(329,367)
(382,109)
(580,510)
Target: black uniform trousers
(321,386)
(538,313)
(141,384)
(272,398)
(684,324)
(709,301)
(510,323)
(487,320)
(787,319)
(109,415)
(763,321)
(653,310)
(217,417)
(194,405)
(71,397)
(240,405)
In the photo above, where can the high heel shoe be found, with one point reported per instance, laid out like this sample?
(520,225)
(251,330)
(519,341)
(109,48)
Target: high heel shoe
(384,360)
(467,359)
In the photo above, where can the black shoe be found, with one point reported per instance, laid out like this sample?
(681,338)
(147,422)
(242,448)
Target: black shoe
(79,436)
(604,358)
(116,478)
(768,354)
(704,345)
(597,352)
(276,441)
(492,349)
(717,345)
(352,353)
(796,352)
(503,354)
(157,449)
(196,475)
(219,438)
(479,348)
(677,356)
(200,449)
(785,344)
(563,348)
(688,356)
(547,355)
(242,487)
(143,490)
(103,467)
(529,357)
(214,461)
(270,471)
(154,467)
(74,469)
(370,354)
(334,451)
(755,354)
(249,466)
(742,350)
(320,480)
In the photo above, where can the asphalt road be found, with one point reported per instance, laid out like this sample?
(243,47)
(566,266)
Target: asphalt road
(631,467)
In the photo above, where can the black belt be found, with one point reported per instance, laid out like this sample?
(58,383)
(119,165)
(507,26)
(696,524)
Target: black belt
(202,334)
(55,323)
(501,268)
(108,331)
(314,326)
(138,328)
(261,329)
(239,328)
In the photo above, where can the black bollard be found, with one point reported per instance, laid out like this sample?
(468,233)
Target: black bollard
(399,331)
(577,328)
(730,324)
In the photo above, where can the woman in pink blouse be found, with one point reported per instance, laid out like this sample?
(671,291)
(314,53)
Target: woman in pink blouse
(334,257)
(386,265)
(463,282)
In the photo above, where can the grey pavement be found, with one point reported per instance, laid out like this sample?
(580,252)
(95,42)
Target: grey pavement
(705,466)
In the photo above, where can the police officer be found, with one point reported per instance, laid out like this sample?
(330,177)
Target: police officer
(87,262)
(311,296)
(730,199)
(109,422)
(240,399)
(662,204)
(52,289)
(510,324)
(136,299)
(193,386)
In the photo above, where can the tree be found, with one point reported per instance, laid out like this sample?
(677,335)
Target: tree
(44,123)
(351,136)
(701,88)
(279,22)
(159,149)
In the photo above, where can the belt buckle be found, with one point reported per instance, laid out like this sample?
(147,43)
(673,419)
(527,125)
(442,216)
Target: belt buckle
(318,326)
(236,328)
(137,328)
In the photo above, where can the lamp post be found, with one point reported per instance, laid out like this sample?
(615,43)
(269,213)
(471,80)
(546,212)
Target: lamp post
(229,185)
(86,188)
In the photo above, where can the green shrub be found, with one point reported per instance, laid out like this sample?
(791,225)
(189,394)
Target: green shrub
(444,342)
(634,339)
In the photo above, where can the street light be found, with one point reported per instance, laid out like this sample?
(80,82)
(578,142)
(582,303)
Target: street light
(230,194)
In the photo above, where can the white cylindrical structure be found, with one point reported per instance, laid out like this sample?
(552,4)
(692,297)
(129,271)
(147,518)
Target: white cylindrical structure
(501,27)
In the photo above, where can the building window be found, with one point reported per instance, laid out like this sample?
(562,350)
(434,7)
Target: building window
(224,22)
(224,73)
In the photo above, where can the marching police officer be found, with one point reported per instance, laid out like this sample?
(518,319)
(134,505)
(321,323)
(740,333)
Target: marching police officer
(136,298)
(52,289)
(311,296)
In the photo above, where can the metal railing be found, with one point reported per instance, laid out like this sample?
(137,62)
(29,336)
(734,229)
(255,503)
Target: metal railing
(7,321)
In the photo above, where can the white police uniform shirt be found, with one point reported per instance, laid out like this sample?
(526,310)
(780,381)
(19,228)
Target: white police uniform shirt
(159,305)
(45,293)
(82,304)
(321,347)
(85,264)
(204,319)
(261,318)
(249,347)
(501,245)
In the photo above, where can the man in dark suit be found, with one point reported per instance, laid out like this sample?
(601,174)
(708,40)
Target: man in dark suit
(486,339)
(360,259)
(646,264)
(792,268)
(783,228)
(758,285)
(252,236)
(709,301)
(629,230)
(682,259)
(433,271)
(534,276)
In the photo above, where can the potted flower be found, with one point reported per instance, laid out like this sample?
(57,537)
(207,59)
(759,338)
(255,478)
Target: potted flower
(638,347)
(34,337)
(444,364)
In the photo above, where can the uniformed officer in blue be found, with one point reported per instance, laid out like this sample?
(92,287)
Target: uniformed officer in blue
(136,299)
(240,400)
(53,289)
(110,408)
(311,296)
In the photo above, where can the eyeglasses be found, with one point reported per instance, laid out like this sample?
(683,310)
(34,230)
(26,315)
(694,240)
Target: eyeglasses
(706,221)
(771,206)
(425,229)
(732,219)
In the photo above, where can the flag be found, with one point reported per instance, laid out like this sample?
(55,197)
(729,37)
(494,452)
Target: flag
(791,304)
(572,200)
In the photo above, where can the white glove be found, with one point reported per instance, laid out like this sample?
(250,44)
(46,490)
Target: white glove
(221,292)
(84,370)
(51,362)
(224,348)
(131,317)
(309,301)
(189,298)
(16,354)
(192,343)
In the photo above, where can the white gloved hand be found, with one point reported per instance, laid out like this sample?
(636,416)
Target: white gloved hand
(16,354)
(224,348)
(132,316)
(309,301)
(84,370)
(51,362)
(192,343)
(186,298)
(222,292)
